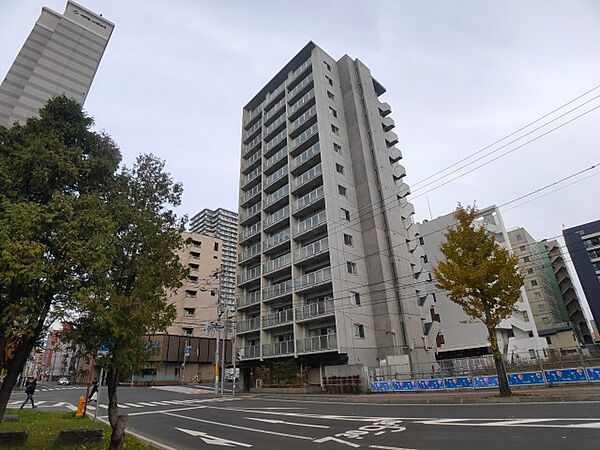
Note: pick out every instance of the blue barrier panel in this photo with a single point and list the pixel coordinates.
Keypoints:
(488, 381)
(525, 378)
(407, 385)
(430, 385)
(381, 386)
(565, 375)
(593, 373)
(458, 383)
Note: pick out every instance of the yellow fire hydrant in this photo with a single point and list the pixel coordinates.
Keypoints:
(79, 413)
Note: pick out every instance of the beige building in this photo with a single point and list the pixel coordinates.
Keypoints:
(196, 300)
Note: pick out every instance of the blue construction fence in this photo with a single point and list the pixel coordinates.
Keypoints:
(570, 375)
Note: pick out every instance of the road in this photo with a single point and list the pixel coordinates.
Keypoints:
(190, 417)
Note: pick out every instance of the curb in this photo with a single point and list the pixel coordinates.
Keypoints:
(140, 437)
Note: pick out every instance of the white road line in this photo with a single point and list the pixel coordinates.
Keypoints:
(390, 448)
(159, 403)
(133, 405)
(508, 423)
(587, 425)
(441, 421)
(119, 405)
(162, 411)
(228, 425)
(145, 404)
(283, 422)
(214, 440)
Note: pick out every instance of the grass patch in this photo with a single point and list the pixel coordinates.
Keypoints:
(44, 427)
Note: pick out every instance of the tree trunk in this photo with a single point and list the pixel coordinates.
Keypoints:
(500, 370)
(15, 365)
(117, 422)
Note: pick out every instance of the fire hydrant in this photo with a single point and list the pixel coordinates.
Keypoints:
(79, 413)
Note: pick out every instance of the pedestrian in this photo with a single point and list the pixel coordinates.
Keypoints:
(30, 390)
(93, 392)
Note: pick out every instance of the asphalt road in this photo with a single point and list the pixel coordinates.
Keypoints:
(190, 417)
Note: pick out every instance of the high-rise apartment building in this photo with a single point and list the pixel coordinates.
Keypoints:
(583, 243)
(452, 332)
(325, 274)
(222, 224)
(196, 300)
(60, 56)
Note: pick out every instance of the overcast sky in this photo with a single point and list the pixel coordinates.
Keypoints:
(459, 75)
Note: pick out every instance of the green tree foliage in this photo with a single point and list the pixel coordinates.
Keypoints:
(481, 277)
(130, 299)
(54, 177)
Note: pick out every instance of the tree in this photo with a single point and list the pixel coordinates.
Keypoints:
(481, 277)
(130, 299)
(54, 174)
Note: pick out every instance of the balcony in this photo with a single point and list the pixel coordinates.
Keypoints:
(398, 172)
(245, 326)
(391, 138)
(277, 291)
(272, 113)
(303, 161)
(322, 343)
(250, 352)
(312, 224)
(276, 143)
(251, 195)
(272, 96)
(276, 241)
(301, 104)
(300, 88)
(275, 161)
(315, 310)
(250, 180)
(313, 279)
(388, 124)
(252, 146)
(276, 219)
(253, 116)
(299, 71)
(251, 163)
(249, 233)
(310, 201)
(253, 212)
(248, 276)
(279, 318)
(276, 265)
(248, 300)
(276, 179)
(252, 131)
(249, 253)
(306, 119)
(384, 109)
(277, 125)
(305, 139)
(278, 348)
(307, 180)
(395, 154)
(306, 253)
(277, 198)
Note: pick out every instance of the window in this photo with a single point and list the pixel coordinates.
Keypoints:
(197, 244)
(537, 295)
(530, 271)
(190, 293)
(425, 259)
(429, 277)
(534, 283)
(525, 258)
(548, 340)
(519, 237)
(333, 112)
(195, 255)
(522, 248)
(346, 214)
(194, 267)
(341, 190)
(337, 148)
(189, 312)
(421, 241)
(525, 317)
(351, 267)
(348, 240)
(188, 331)
(339, 168)
(545, 319)
(434, 298)
(327, 65)
(541, 308)
(329, 80)
(356, 297)
(193, 279)
(359, 330)
(216, 247)
(335, 130)
(213, 293)
(330, 96)
(439, 340)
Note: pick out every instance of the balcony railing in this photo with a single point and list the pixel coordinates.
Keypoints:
(274, 125)
(306, 98)
(253, 143)
(310, 174)
(313, 278)
(252, 130)
(251, 351)
(312, 111)
(317, 343)
(275, 141)
(249, 275)
(306, 134)
(249, 232)
(277, 290)
(299, 71)
(248, 325)
(278, 318)
(277, 263)
(278, 348)
(277, 195)
(249, 300)
(283, 213)
(250, 161)
(274, 110)
(276, 176)
(316, 309)
(308, 199)
(253, 115)
(276, 157)
(309, 224)
(246, 179)
(305, 82)
(275, 93)
(276, 239)
(251, 212)
(247, 196)
(249, 253)
(310, 250)
(305, 155)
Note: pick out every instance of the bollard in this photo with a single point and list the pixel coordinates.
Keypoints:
(79, 413)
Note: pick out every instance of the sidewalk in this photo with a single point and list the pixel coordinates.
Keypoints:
(579, 393)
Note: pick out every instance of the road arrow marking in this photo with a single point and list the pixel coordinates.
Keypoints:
(213, 440)
(283, 422)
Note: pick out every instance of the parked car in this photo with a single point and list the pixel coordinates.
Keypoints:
(63, 381)
(229, 378)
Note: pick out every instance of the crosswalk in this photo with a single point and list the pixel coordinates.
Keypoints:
(189, 390)
(167, 403)
(67, 388)
(528, 422)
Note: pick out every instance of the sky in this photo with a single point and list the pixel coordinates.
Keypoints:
(459, 76)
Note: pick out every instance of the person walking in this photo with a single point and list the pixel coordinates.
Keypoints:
(93, 392)
(30, 390)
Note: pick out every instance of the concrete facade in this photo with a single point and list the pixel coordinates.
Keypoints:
(451, 331)
(325, 275)
(60, 56)
(222, 224)
(196, 300)
(583, 242)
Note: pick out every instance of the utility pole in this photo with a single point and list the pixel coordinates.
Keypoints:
(234, 353)
(223, 354)
(217, 360)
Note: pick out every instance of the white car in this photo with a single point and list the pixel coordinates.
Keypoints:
(64, 381)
